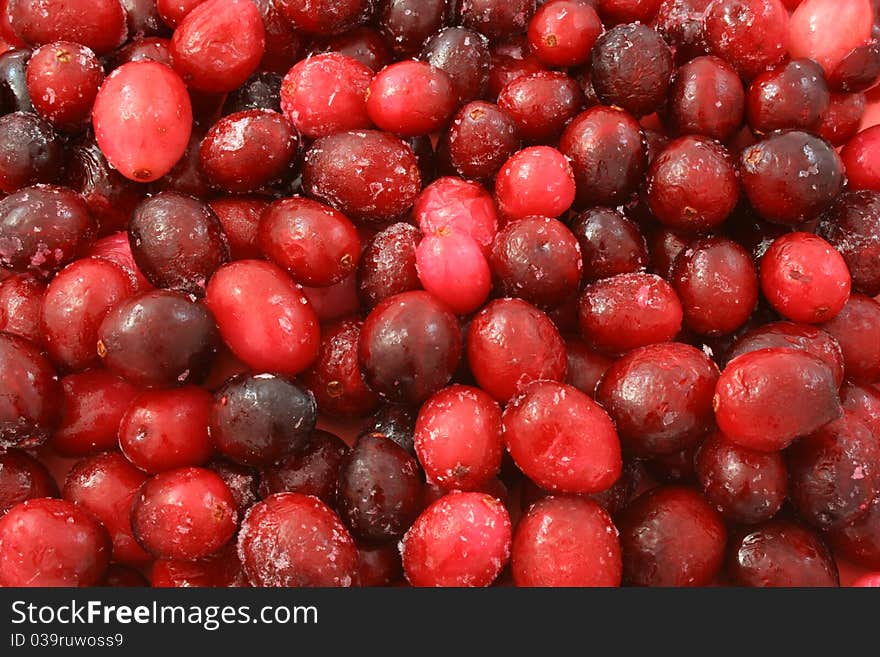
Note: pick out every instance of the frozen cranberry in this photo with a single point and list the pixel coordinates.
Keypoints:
(388, 264)
(284, 45)
(453, 268)
(406, 24)
(607, 153)
(670, 536)
(462, 540)
(767, 398)
(780, 553)
(681, 24)
(540, 104)
(793, 95)
(397, 423)
(326, 94)
(63, 79)
(322, 17)
(479, 140)
(261, 91)
(411, 98)
(857, 329)
(257, 419)
(860, 158)
(23, 477)
(864, 403)
(315, 243)
(464, 56)
(45, 542)
(454, 205)
(852, 226)
(221, 570)
(706, 98)
(410, 346)
(384, 171)
(610, 244)
(510, 60)
(750, 34)
(264, 317)
(150, 49)
(840, 121)
(511, 343)
(21, 302)
(585, 366)
(14, 95)
(33, 153)
(312, 471)
(243, 482)
(827, 31)
(364, 45)
(96, 24)
(116, 249)
(173, 12)
(30, 408)
(496, 18)
(158, 338)
(291, 539)
(791, 177)
(137, 99)
(535, 181)
(562, 32)
(860, 540)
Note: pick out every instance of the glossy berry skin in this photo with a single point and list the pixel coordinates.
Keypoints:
(187, 513)
(804, 278)
(852, 226)
(561, 439)
(323, 16)
(860, 540)
(766, 398)
(791, 177)
(21, 304)
(388, 264)
(541, 104)
(535, 181)
(585, 366)
(263, 317)
(158, 338)
(670, 536)
(316, 244)
(260, 91)
(834, 472)
(566, 541)
(380, 489)
(326, 94)
(406, 24)
(627, 311)
(291, 539)
(311, 471)
(746, 486)
(142, 119)
(46, 542)
(458, 438)
(411, 98)
(660, 397)
(563, 32)
(479, 140)
(73, 74)
(706, 98)
(610, 244)
(23, 477)
(791, 96)
(99, 25)
(464, 56)
(453, 268)
(631, 68)
(461, 540)
(257, 419)
(398, 423)
(815, 21)
(681, 24)
(33, 154)
(454, 205)
(363, 44)
(857, 329)
(410, 346)
(841, 120)
(104, 485)
(30, 408)
(750, 34)
(780, 553)
(511, 343)
(863, 402)
(860, 158)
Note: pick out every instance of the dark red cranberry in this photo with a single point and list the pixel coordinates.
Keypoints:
(240, 219)
(681, 24)
(63, 80)
(864, 403)
(406, 24)
(852, 226)
(260, 91)
(859, 70)
(284, 44)
(860, 158)
(385, 168)
(21, 303)
(96, 24)
(841, 120)
(323, 17)
(22, 477)
(221, 570)
(706, 98)
(464, 56)
(257, 419)
(145, 49)
(379, 565)
(563, 32)
(291, 539)
(33, 153)
(673, 468)
(186, 177)
(585, 366)
(860, 540)
(607, 153)
(610, 244)
(30, 408)
(616, 498)
(312, 471)
(14, 95)
(540, 104)
(158, 338)
(398, 423)
(511, 343)
(243, 482)
(496, 18)
(827, 31)
(664, 247)
(363, 44)
(780, 553)
(411, 98)
(857, 329)
(142, 17)
(767, 398)
(510, 60)
(479, 140)
(793, 95)
(410, 346)
(388, 264)
(750, 34)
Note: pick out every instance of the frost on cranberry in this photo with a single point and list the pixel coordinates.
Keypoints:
(96, 24)
(852, 226)
(33, 153)
(63, 79)
(22, 477)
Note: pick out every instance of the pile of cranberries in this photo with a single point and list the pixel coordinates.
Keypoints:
(439, 292)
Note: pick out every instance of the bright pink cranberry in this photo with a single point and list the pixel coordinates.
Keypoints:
(462, 540)
(264, 317)
(291, 539)
(325, 94)
(221, 570)
(95, 24)
(752, 35)
(860, 157)
(857, 330)
(566, 541)
(535, 181)
(455, 205)
(136, 100)
(562, 32)
(22, 477)
(452, 267)
(63, 79)
(411, 98)
(826, 31)
(21, 303)
(706, 98)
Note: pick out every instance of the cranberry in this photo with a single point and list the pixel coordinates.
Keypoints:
(45, 542)
(859, 70)
(496, 18)
(284, 46)
(388, 264)
(96, 24)
(860, 540)
(401, 87)
(681, 24)
(562, 32)
(173, 12)
(627, 11)
(186, 177)
(144, 49)
(479, 140)
(322, 17)
(23, 477)
(767, 398)
(21, 302)
(158, 338)
(585, 366)
(840, 122)
(142, 17)
(364, 45)
(14, 95)
(541, 103)
(222, 570)
(264, 317)
(453, 268)
(397, 423)
(857, 329)
(750, 34)
(780, 553)
(607, 153)
(827, 31)
(462, 540)
(791, 177)
(464, 56)
(860, 158)
(137, 99)
(852, 226)
(34, 152)
(871, 580)
(291, 539)
(610, 244)
(380, 565)
(510, 60)
(261, 91)
(864, 403)
(511, 343)
(706, 98)
(187, 513)
(311, 471)
(670, 536)
(63, 79)
(385, 168)
(30, 408)
(793, 95)
(535, 181)
(454, 205)
(243, 482)
(410, 346)
(257, 419)
(115, 248)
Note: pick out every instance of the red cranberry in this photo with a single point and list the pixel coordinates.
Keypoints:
(627, 11)
(406, 24)
(454, 205)
(21, 302)
(496, 18)
(610, 244)
(144, 49)
(793, 95)
(410, 346)
(240, 219)
(780, 553)
(681, 24)
(46, 542)
(540, 104)
(841, 120)
(33, 152)
(173, 12)
(852, 226)
(105, 486)
(137, 99)
(562, 32)
(511, 343)
(670, 536)
(706, 98)
(453, 268)
(860, 158)
(222, 570)
(186, 177)
(767, 398)
(257, 419)
(607, 153)
(30, 408)
(535, 181)
(312, 471)
(158, 338)
(464, 56)
(264, 317)
(864, 403)
(585, 366)
(385, 168)
(23, 477)
(750, 34)
(187, 513)
(479, 140)
(401, 87)
(664, 247)
(827, 31)
(566, 541)
(388, 264)
(379, 565)
(243, 482)
(142, 17)
(857, 329)
(510, 60)
(860, 540)
(96, 24)
(322, 17)
(291, 539)
(116, 249)
(63, 80)
(363, 44)
(461, 540)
